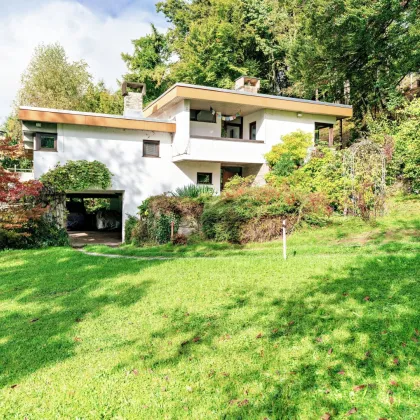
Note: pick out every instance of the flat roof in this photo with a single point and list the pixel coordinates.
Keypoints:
(187, 91)
(60, 116)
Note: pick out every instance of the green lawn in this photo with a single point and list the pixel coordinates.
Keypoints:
(218, 331)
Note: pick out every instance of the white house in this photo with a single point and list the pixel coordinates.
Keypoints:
(190, 134)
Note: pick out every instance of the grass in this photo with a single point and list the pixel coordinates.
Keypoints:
(240, 333)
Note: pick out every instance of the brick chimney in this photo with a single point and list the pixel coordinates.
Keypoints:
(247, 84)
(133, 101)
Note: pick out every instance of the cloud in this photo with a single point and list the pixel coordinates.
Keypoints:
(96, 36)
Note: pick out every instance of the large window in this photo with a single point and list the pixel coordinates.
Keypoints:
(202, 116)
(205, 178)
(253, 131)
(46, 142)
(151, 148)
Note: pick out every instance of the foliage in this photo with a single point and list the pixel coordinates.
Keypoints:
(291, 151)
(149, 62)
(179, 239)
(236, 215)
(400, 137)
(52, 81)
(159, 212)
(92, 205)
(193, 191)
(100, 99)
(238, 183)
(357, 44)
(18, 200)
(129, 226)
(12, 154)
(78, 175)
(213, 44)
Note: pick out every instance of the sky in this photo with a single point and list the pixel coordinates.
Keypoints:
(97, 31)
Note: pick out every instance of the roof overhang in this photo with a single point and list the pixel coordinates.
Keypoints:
(184, 91)
(95, 120)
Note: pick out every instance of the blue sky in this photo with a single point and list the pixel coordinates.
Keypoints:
(97, 31)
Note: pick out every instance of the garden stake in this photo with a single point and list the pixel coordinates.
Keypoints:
(284, 239)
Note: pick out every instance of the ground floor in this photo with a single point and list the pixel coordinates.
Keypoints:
(99, 216)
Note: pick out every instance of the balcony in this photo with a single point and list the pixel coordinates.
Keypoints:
(24, 174)
(220, 149)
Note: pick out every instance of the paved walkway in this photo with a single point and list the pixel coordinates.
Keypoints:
(130, 257)
(79, 239)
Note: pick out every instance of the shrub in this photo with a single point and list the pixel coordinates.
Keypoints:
(238, 183)
(129, 226)
(179, 239)
(295, 145)
(159, 212)
(78, 175)
(237, 216)
(193, 191)
(35, 234)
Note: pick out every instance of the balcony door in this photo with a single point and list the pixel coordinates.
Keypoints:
(233, 129)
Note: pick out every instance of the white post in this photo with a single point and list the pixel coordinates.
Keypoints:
(284, 240)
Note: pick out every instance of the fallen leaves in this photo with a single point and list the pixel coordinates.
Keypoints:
(34, 320)
(351, 411)
(396, 361)
(14, 386)
(326, 416)
(330, 350)
(341, 372)
(366, 298)
(259, 335)
(196, 339)
(77, 339)
(135, 372)
(359, 387)
(239, 403)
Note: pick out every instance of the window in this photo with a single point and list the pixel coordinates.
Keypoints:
(151, 148)
(253, 131)
(204, 178)
(46, 142)
(202, 116)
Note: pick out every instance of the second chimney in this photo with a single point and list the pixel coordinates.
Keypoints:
(247, 84)
(133, 101)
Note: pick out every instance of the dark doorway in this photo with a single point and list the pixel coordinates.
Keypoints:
(229, 172)
(94, 218)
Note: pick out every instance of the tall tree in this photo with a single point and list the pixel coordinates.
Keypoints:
(212, 42)
(149, 63)
(53, 81)
(356, 47)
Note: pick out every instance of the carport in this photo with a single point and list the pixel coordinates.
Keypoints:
(94, 217)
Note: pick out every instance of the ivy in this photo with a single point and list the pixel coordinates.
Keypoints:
(78, 175)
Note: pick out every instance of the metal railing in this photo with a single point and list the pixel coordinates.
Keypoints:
(16, 169)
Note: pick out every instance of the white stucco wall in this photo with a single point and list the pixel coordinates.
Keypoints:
(258, 117)
(122, 152)
(278, 123)
(198, 128)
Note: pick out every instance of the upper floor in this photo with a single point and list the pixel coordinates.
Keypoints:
(204, 123)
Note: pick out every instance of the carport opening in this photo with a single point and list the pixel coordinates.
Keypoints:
(94, 218)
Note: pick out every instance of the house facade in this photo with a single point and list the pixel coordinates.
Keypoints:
(189, 135)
